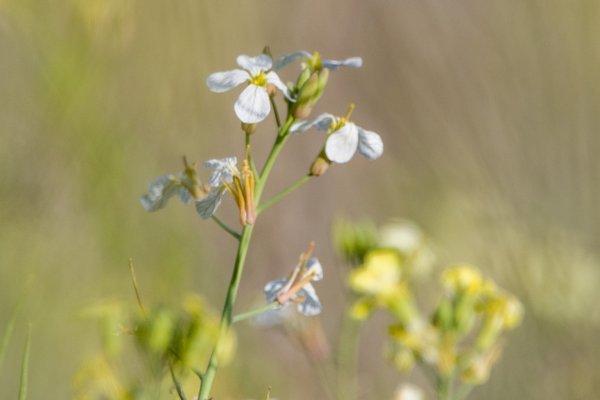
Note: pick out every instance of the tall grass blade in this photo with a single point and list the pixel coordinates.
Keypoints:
(25, 367)
(8, 331)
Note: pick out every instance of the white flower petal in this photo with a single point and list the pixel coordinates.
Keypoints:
(370, 144)
(313, 266)
(159, 192)
(208, 205)
(341, 145)
(220, 82)
(355, 62)
(184, 195)
(311, 305)
(255, 65)
(223, 170)
(274, 79)
(323, 122)
(290, 58)
(253, 104)
(272, 289)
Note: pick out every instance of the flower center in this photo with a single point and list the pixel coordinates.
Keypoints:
(259, 79)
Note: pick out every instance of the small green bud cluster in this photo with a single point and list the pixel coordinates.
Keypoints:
(166, 337)
(310, 86)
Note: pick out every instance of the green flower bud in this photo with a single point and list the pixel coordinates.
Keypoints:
(443, 317)
(156, 331)
(354, 240)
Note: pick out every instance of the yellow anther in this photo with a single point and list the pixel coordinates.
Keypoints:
(259, 80)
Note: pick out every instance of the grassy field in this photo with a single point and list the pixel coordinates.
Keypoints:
(490, 116)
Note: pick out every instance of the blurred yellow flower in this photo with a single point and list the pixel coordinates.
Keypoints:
(380, 274)
(463, 278)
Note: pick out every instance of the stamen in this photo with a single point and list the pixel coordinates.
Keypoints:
(351, 108)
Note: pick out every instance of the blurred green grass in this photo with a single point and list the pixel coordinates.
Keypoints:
(489, 112)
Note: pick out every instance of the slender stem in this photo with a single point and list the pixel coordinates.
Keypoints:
(255, 312)
(275, 112)
(279, 196)
(178, 387)
(282, 136)
(226, 228)
(227, 314)
(443, 388)
(463, 392)
(138, 294)
(347, 358)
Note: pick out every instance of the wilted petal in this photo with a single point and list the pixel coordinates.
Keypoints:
(184, 195)
(223, 170)
(208, 205)
(370, 144)
(255, 65)
(313, 266)
(355, 62)
(341, 145)
(311, 305)
(290, 58)
(253, 104)
(159, 192)
(274, 79)
(323, 122)
(223, 81)
(272, 289)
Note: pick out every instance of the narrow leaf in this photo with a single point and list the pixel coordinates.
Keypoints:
(25, 367)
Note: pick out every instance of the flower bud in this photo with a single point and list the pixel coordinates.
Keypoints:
(443, 315)
(309, 92)
(248, 128)
(319, 166)
(354, 240)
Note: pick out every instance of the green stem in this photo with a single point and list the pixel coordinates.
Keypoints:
(463, 392)
(226, 228)
(282, 136)
(257, 311)
(279, 196)
(177, 384)
(275, 112)
(347, 360)
(227, 314)
(443, 388)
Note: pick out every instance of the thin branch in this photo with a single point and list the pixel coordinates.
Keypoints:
(135, 286)
(178, 387)
(279, 196)
(275, 112)
(252, 313)
(226, 228)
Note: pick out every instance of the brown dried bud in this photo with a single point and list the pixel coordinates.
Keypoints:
(319, 166)
(248, 128)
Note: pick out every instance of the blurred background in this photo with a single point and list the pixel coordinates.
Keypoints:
(490, 116)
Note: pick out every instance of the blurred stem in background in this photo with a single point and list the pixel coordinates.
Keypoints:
(347, 358)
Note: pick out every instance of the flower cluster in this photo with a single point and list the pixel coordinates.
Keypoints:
(259, 76)
(461, 337)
